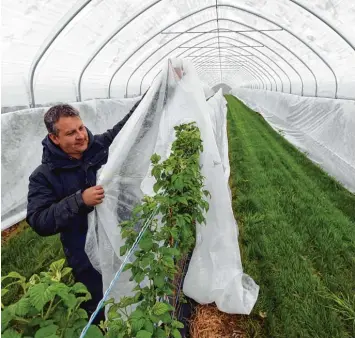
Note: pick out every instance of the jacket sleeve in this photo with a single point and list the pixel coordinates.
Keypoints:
(45, 214)
(108, 137)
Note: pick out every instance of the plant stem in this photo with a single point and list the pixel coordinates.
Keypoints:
(49, 309)
(19, 319)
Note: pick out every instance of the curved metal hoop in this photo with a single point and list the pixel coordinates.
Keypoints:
(257, 69)
(245, 10)
(44, 48)
(243, 66)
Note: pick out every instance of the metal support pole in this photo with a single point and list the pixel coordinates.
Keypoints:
(49, 41)
(107, 40)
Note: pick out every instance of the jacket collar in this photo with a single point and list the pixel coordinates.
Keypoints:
(55, 157)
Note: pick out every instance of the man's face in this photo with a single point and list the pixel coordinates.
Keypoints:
(72, 136)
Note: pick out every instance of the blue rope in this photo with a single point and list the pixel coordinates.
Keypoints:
(118, 274)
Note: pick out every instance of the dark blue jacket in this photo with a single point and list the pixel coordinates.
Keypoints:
(55, 203)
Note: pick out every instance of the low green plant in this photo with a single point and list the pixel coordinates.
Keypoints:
(178, 205)
(48, 307)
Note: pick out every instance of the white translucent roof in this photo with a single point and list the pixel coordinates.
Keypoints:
(55, 50)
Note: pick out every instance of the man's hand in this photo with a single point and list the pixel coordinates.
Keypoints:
(93, 196)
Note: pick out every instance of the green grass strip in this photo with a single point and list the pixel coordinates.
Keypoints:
(297, 232)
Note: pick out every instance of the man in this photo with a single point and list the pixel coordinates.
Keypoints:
(63, 190)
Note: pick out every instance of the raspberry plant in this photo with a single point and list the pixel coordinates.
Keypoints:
(179, 204)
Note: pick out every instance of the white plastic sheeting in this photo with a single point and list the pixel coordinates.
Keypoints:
(322, 128)
(81, 48)
(215, 272)
(21, 135)
(218, 113)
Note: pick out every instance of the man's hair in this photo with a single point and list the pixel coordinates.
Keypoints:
(52, 116)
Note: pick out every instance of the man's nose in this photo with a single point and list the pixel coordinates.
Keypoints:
(80, 135)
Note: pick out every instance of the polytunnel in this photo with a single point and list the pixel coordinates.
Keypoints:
(269, 86)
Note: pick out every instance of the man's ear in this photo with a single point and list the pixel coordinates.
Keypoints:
(54, 138)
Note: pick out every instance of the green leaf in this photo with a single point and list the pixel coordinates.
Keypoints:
(111, 315)
(139, 277)
(183, 200)
(46, 331)
(168, 291)
(154, 319)
(60, 316)
(115, 329)
(159, 281)
(80, 300)
(34, 279)
(145, 262)
(123, 250)
(160, 308)
(4, 292)
(38, 295)
(146, 244)
(137, 209)
(138, 296)
(124, 223)
(14, 274)
(79, 288)
(79, 324)
(168, 261)
(137, 314)
(174, 233)
(11, 333)
(63, 291)
(170, 251)
(22, 306)
(143, 334)
(82, 313)
(158, 185)
(176, 333)
(6, 317)
(206, 193)
(126, 301)
(159, 333)
(137, 324)
(148, 326)
(69, 300)
(45, 323)
(69, 332)
(155, 158)
(127, 267)
(178, 325)
(166, 318)
(66, 271)
(109, 301)
(56, 289)
(179, 183)
(35, 322)
(93, 332)
(57, 265)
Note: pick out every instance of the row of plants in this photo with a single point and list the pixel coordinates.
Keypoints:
(50, 303)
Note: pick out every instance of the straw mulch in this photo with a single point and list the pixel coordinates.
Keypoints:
(209, 322)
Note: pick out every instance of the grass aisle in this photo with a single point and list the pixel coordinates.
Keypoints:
(297, 232)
